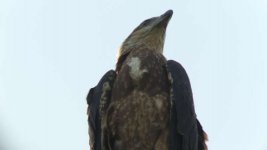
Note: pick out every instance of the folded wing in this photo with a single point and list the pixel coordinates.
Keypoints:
(186, 131)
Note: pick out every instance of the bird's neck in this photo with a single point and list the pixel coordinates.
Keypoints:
(127, 48)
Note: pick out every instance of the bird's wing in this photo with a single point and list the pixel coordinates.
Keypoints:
(186, 131)
(98, 99)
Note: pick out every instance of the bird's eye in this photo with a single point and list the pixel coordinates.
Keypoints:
(146, 22)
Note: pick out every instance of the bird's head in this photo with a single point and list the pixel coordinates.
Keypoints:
(150, 33)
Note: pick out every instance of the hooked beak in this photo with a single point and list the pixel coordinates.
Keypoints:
(165, 18)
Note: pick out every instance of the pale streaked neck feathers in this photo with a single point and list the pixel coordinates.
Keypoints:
(149, 35)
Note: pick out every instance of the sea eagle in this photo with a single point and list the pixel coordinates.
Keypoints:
(147, 102)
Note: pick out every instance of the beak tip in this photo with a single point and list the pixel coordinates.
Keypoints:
(167, 14)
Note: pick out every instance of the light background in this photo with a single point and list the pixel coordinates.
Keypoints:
(53, 51)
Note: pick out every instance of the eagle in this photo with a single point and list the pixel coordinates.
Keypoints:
(146, 103)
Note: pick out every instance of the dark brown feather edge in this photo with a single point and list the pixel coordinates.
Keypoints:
(98, 99)
(120, 61)
(91, 123)
(202, 137)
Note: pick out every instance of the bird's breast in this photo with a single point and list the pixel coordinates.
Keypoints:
(144, 70)
(139, 112)
(135, 71)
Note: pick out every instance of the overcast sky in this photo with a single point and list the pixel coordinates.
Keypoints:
(53, 51)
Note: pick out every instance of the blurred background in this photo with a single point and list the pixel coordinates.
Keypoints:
(53, 51)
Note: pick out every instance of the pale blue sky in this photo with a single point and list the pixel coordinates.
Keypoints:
(53, 51)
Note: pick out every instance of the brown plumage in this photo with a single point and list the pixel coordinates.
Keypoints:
(139, 113)
(147, 103)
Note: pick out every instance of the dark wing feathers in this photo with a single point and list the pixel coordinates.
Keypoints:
(93, 100)
(182, 100)
(186, 131)
(202, 137)
(190, 134)
(182, 97)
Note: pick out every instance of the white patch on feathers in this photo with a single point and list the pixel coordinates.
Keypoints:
(135, 72)
(159, 103)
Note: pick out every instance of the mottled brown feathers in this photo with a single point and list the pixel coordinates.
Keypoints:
(147, 103)
(139, 114)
